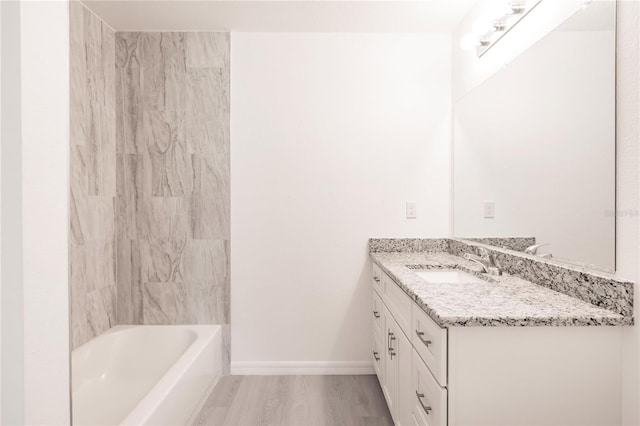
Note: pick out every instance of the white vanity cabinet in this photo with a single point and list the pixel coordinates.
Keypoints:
(396, 366)
(491, 375)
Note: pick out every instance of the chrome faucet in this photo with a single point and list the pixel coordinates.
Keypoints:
(488, 265)
(534, 250)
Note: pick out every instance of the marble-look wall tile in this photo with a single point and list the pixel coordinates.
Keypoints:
(204, 51)
(195, 302)
(129, 290)
(92, 175)
(173, 189)
(150, 189)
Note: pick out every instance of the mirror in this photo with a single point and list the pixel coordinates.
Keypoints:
(534, 147)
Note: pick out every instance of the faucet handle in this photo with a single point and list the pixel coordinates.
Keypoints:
(488, 255)
(473, 257)
(534, 248)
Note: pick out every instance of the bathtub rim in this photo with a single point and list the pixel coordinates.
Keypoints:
(161, 389)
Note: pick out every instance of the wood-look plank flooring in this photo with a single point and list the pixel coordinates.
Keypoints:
(296, 401)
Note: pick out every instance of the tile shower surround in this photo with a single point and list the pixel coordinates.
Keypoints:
(92, 155)
(149, 177)
(599, 289)
(172, 233)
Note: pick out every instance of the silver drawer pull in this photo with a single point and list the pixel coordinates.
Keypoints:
(376, 279)
(391, 348)
(420, 334)
(424, 407)
(376, 314)
(375, 356)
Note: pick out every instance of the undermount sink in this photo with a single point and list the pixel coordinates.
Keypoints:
(448, 276)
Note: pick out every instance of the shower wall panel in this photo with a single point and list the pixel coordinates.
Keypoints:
(92, 175)
(172, 226)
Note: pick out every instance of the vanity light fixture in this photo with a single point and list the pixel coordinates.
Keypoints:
(495, 23)
(471, 41)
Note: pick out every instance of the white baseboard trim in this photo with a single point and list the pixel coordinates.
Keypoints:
(302, 368)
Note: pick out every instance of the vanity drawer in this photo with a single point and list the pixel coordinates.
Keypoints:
(430, 342)
(398, 303)
(429, 406)
(377, 279)
(377, 315)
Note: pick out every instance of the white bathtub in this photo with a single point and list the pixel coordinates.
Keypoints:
(145, 374)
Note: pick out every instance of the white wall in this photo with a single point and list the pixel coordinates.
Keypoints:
(538, 139)
(628, 192)
(0, 213)
(330, 135)
(12, 348)
(34, 213)
(44, 30)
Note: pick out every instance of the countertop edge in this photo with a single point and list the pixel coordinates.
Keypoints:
(578, 321)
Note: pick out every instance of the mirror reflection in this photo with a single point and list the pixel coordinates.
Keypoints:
(534, 151)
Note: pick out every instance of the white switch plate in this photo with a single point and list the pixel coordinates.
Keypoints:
(489, 209)
(412, 212)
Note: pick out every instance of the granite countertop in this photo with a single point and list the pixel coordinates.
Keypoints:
(499, 301)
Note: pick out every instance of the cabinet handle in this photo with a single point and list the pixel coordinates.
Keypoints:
(375, 356)
(391, 339)
(376, 279)
(424, 407)
(376, 314)
(420, 334)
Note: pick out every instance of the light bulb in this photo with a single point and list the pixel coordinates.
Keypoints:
(517, 7)
(469, 42)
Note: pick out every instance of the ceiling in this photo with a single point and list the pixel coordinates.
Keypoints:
(282, 16)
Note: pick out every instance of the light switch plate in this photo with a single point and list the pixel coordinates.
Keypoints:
(489, 209)
(412, 212)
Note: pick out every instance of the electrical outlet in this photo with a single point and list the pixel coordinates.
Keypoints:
(412, 210)
(489, 209)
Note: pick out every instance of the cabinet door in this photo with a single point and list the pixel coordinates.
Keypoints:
(404, 350)
(379, 334)
(377, 315)
(390, 386)
(379, 357)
